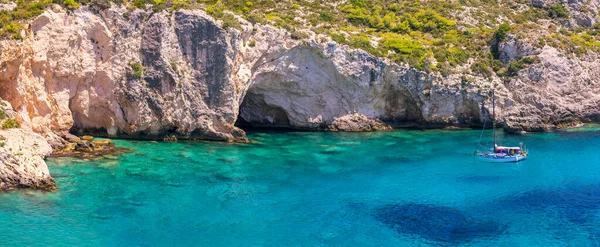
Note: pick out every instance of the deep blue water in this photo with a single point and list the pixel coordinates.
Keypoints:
(399, 188)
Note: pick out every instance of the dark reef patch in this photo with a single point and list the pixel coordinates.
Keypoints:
(575, 203)
(437, 223)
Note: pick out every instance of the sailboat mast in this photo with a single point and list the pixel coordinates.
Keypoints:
(494, 117)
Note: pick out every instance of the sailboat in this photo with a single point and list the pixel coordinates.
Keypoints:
(500, 154)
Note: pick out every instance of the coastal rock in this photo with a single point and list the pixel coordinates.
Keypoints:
(357, 123)
(170, 139)
(87, 147)
(86, 138)
(22, 154)
(22, 163)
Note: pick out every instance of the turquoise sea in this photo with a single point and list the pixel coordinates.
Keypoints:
(398, 188)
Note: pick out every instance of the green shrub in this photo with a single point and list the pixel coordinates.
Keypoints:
(502, 31)
(180, 4)
(254, 18)
(229, 20)
(358, 16)
(174, 66)
(482, 69)
(299, 35)
(515, 66)
(13, 29)
(362, 42)
(10, 123)
(402, 44)
(454, 56)
(2, 114)
(339, 38)
(499, 36)
(71, 4)
(137, 70)
(497, 65)
(359, 3)
(429, 21)
(140, 4)
(557, 11)
(324, 16)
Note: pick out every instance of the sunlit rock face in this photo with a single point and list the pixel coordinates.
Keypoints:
(77, 71)
(22, 154)
(310, 85)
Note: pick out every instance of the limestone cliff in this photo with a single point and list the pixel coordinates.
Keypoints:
(139, 74)
(121, 73)
(558, 91)
(75, 72)
(22, 154)
(310, 85)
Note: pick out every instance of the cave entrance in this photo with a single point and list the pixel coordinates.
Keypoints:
(255, 112)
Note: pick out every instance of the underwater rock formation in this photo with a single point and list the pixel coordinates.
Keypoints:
(437, 223)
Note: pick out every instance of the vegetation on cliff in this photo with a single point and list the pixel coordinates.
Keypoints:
(6, 122)
(444, 36)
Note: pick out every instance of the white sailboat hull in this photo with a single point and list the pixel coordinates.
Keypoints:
(493, 158)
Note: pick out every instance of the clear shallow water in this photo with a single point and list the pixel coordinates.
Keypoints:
(400, 188)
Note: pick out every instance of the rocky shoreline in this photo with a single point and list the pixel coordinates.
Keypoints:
(134, 74)
(87, 147)
(22, 154)
(22, 161)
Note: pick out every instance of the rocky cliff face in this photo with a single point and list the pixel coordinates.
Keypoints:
(558, 91)
(583, 12)
(137, 74)
(81, 71)
(310, 85)
(22, 154)
(77, 72)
